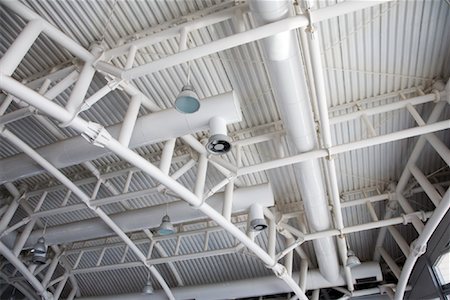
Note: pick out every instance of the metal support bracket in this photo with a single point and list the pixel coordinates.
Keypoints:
(97, 135)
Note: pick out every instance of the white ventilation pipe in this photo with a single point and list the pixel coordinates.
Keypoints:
(136, 220)
(254, 287)
(282, 56)
(147, 130)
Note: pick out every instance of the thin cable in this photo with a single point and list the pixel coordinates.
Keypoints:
(45, 227)
(189, 73)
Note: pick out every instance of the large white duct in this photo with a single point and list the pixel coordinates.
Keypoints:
(254, 287)
(149, 129)
(135, 220)
(282, 56)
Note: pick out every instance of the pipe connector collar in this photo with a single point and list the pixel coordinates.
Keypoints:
(97, 135)
(417, 249)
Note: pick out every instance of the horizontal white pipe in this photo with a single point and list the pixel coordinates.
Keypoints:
(386, 108)
(390, 137)
(238, 39)
(136, 220)
(254, 287)
(147, 130)
(419, 245)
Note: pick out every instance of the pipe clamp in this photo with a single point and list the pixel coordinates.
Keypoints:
(96, 134)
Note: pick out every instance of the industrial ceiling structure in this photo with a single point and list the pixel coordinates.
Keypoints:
(293, 149)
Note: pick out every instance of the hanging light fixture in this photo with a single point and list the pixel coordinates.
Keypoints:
(187, 101)
(166, 226)
(40, 249)
(352, 259)
(148, 287)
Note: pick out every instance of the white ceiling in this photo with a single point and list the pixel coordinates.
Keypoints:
(401, 45)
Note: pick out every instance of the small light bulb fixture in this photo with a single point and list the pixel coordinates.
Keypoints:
(256, 217)
(39, 252)
(148, 287)
(166, 226)
(187, 101)
(352, 259)
(219, 142)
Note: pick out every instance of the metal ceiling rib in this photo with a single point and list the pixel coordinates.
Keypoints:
(383, 49)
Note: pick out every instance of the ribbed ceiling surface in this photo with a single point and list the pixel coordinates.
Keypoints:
(391, 47)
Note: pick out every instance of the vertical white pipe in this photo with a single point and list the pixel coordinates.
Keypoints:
(201, 176)
(18, 246)
(131, 56)
(9, 213)
(5, 104)
(289, 257)
(228, 201)
(166, 156)
(129, 121)
(81, 87)
(272, 238)
(303, 273)
(16, 52)
(218, 125)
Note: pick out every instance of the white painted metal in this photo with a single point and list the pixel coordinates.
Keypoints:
(40, 290)
(252, 287)
(86, 199)
(147, 130)
(420, 244)
(287, 76)
(150, 217)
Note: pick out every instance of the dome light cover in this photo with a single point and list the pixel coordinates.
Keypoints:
(187, 101)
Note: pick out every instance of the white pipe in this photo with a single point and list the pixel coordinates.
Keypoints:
(15, 53)
(427, 186)
(253, 287)
(218, 125)
(419, 245)
(201, 176)
(127, 128)
(24, 271)
(137, 220)
(147, 130)
(319, 84)
(282, 55)
(51, 31)
(9, 213)
(390, 137)
(75, 101)
(228, 201)
(86, 199)
(166, 156)
(440, 147)
(238, 39)
(51, 269)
